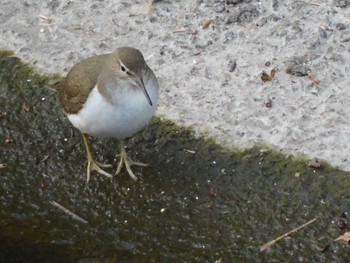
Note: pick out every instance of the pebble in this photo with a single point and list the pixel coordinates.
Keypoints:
(232, 65)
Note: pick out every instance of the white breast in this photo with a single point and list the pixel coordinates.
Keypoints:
(128, 115)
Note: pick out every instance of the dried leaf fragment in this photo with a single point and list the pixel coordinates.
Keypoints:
(26, 107)
(312, 77)
(315, 163)
(343, 239)
(206, 23)
(266, 77)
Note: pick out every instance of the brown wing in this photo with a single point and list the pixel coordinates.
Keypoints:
(75, 88)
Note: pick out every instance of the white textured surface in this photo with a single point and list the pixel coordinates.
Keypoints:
(193, 70)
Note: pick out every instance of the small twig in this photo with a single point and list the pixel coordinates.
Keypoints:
(179, 30)
(189, 151)
(45, 158)
(47, 18)
(197, 53)
(73, 215)
(310, 3)
(268, 244)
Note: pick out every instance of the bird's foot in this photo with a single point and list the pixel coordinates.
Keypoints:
(96, 166)
(92, 164)
(103, 165)
(124, 159)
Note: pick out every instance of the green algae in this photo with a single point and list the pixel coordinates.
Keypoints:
(6, 53)
(197, 202)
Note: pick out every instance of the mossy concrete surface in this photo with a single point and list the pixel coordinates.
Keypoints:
(197, 202)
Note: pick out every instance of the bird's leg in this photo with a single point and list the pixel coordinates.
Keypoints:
(92, 164)
(124, 159)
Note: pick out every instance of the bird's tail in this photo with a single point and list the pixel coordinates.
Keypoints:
(54, 84)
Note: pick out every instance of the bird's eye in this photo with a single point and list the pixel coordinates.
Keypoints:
(123, 68)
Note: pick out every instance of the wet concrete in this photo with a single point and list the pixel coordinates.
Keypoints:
(197, 202)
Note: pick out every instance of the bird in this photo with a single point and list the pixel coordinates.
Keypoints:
(109, 96)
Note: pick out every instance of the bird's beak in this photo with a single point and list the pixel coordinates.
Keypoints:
(145, 92)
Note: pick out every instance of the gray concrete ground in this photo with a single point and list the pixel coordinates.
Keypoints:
(210, 72)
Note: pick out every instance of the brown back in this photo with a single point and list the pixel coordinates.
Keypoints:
(74, 90)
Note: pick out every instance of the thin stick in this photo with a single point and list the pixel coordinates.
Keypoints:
(189, 151)
(73, 215)
(310, 3)
(179, 30)
(47, 18)
(268, 244)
